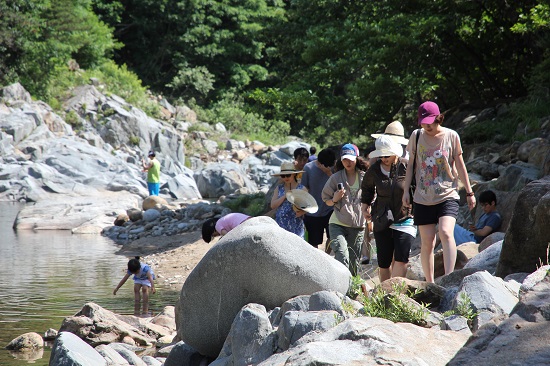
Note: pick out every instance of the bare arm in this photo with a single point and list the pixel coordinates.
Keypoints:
(484, 231)
(150, 278)
(122, 282)
(146, 166)
(463, 176)
(277, 201)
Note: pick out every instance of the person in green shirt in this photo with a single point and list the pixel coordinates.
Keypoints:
(153, 174)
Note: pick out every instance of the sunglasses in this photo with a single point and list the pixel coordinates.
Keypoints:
(286, 175)
(385, 157)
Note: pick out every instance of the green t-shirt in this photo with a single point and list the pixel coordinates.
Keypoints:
(153, 174)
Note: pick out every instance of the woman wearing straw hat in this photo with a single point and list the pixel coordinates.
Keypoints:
(343, 192)
(396, 131)
(382, 193)
(286, 216)
(436, 199)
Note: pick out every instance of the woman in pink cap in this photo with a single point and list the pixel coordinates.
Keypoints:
(433, 155)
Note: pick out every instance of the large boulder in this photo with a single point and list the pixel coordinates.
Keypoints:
(219, 179)
(256, 262)
(521, 339)
(526, 240)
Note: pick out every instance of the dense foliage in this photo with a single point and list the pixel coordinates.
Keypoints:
(327, 70)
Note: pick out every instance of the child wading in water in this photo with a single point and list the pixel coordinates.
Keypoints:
(143, 280)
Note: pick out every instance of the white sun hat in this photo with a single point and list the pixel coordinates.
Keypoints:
(302, 200)
(386, 146)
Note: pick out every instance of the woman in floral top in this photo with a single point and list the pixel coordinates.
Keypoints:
(436, 198)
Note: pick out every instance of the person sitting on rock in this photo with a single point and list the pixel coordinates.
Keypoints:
(488, 222)
(143, 282)
(220, 226)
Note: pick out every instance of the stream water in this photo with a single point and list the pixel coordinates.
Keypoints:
(49, 275)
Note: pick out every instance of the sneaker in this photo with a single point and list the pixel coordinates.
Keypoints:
(365, 260)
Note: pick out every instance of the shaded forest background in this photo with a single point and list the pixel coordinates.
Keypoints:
(328, 71)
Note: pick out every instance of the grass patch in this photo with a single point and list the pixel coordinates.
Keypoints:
(463, 308)
(394, 306)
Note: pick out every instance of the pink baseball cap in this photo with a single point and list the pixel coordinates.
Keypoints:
(427, 112)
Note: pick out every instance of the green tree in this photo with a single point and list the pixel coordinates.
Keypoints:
(196, 48)
(38, 38)
(361, 64)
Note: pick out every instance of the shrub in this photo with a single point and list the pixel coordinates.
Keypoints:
(392, 306)
(249, 204)
(463, 308)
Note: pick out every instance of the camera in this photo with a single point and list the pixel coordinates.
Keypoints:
(340, 186)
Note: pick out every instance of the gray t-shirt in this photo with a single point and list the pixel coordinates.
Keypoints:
(314, 180)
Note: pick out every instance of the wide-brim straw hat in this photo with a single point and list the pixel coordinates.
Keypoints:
(396, 131)
(287, 167)
(386, 146)
(302, 200)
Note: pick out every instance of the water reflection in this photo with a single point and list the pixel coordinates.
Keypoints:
(49, 275)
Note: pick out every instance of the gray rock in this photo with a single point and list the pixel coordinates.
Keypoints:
(112, 357)
(276, 158)
(251, 338)
(369, 341)
(219, 179)
(15, 93)
(256, 262)
(326, 300)
(515, 176)
(69, 350)
(289, 147)
(182, 354)
(210, 146)
(487, 260)
(534, 278)
(26, 341)
(456, 323)
(295, 324)
(521, 339)
(128, 354)
(183, 186)
(526, 241)
(99, 326)
(151, 361)
(151, 215)
(488, 293)
(490, 240)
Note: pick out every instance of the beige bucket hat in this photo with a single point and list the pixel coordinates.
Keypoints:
(287, 167)
(396, 131)
(302, 200)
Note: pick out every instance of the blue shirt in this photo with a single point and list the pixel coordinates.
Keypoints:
(314, 180)
(492, 219)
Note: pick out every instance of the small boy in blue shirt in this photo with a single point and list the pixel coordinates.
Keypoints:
(488, 223)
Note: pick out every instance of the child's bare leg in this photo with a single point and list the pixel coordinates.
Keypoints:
(137, 299)
(145, 290)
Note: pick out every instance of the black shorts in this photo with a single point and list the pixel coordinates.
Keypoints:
(427, 215)
(392, 244)
(316, 226)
